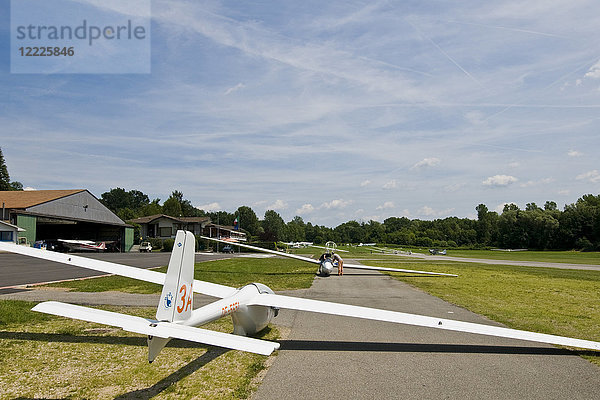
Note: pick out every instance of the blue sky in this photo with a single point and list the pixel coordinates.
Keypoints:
(333, 111)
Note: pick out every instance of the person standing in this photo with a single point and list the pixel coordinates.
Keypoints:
(340, 263)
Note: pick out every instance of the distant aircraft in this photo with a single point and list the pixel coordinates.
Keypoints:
(326, 265)
(437, 251)
(251, 307)
(297, 245)
(330, 247)
(82, 245)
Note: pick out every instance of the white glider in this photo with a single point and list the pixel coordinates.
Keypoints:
(251, 307)
(326, 265)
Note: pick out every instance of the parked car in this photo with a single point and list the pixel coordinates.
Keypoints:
(228, 249)
(145, 246)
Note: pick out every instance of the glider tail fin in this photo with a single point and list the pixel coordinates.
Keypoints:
(176, 299)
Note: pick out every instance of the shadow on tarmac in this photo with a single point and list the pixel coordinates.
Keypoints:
(324, 345)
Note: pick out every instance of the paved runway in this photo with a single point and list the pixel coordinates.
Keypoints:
(340, 358)
(16, 270)
(542, 264)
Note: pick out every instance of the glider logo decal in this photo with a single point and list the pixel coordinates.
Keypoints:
(179, 244)
(168, 300)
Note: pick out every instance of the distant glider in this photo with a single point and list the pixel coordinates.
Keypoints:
(326, 265)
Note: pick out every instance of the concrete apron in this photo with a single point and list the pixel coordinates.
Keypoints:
(341, 358)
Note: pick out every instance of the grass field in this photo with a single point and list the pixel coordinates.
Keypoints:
(278, 274)
(42, 356)
(570, 257)
(547, 300)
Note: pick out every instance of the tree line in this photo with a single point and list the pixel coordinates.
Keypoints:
(577, 226)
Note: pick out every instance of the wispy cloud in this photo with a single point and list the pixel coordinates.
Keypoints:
(336, 204)
(210, 207)
(305, 209)
(388, 205)
(390, 185)
(234, 88)
(278, 205)
(574, 153)
(426, 162)
(499, 180)
(591, 176)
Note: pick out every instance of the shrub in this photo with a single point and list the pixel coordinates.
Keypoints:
(155, 242)
(168, 244)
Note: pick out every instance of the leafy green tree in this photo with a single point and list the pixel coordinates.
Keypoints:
(296, 229)
(248, 220)
(16, 185)
(127, 205)
(394, 224)
(222, 218)
(187, 209)
(274, 227)
(374, 232)
(172, 207)
(4, 177)
(151, 208)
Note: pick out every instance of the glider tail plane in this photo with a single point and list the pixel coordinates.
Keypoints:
(176, 299)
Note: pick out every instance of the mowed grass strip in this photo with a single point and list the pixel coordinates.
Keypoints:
(569, 257)
(277, 273)
(43, 356)
(547, 300)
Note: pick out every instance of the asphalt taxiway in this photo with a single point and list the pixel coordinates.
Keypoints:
(18, 270)
(338, 358)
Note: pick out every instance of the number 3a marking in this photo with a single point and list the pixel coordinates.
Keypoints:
(184, 304)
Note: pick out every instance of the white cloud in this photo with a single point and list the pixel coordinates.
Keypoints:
(371, 218)
(574, 153)
(594, 71)
(426, 162)
(430, 212)
(454, 187)
(390, 185)
(475, 117)
(211, 207)
(592, 176)
(499, 180)
(544, 181)
(336, 204)
(386, 206)
(234, 88)
(514, 164)
(365, 183)
(305, 209)
(278, 205)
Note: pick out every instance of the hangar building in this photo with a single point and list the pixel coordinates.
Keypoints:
(63, 214)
